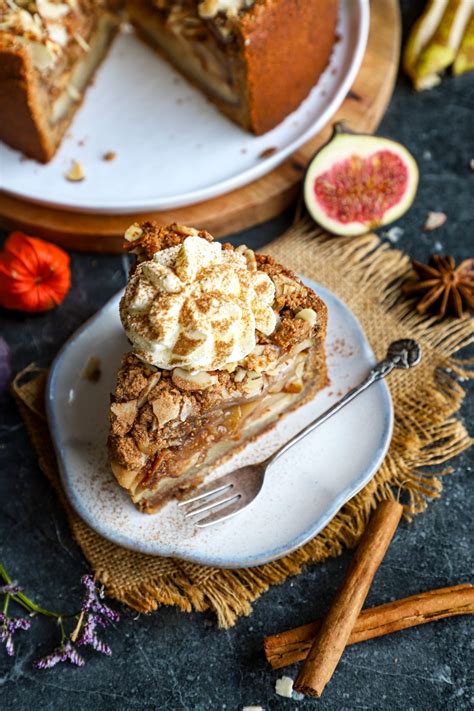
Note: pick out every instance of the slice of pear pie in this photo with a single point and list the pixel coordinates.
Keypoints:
(224, 342)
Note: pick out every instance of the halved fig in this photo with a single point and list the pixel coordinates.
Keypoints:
(357, 182)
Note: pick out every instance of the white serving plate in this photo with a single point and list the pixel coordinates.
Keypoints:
(303, 491)
(173, 147)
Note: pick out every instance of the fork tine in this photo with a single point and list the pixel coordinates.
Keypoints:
(215, 487)
(222, 514)
(212, 504)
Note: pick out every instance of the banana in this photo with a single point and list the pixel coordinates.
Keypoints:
(421, 33)
(464, 61)
(441, 50)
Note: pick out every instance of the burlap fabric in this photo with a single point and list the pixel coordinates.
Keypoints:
(366, 274)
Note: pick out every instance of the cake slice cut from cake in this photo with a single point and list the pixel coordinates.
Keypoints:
(49, 52)
(255, 59)
(224, 342)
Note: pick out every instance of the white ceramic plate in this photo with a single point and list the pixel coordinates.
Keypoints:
(173, 147)
(302, 492)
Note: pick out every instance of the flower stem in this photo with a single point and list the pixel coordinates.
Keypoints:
(77, 629)
(25, 601)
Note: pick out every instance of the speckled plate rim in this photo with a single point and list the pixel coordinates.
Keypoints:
(320, 522)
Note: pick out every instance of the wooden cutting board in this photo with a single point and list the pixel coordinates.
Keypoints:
(255, 203)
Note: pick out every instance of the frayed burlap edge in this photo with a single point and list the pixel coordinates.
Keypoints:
(366, 274)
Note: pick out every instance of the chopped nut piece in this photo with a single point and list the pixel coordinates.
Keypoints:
(92, 370)
(74, 93)
(394, 234)
(253, 386)
(304, 345)
(109, 156)
(154, 380)
(267, 152)
(165, 408)
(186, 410)
(125, 412)
(193, 381)
(284, 687)
(308, 315)
(81, 42)
(133, 233)
(76, 173)
(240, 374)
(434, 220)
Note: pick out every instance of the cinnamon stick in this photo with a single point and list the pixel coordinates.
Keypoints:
(292, 646)
(331, 639)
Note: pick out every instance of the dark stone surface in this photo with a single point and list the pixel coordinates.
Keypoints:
(171, 660)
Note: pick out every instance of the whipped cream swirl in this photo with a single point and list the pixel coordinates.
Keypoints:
(197, 306)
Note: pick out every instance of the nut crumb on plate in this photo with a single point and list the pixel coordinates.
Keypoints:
(75, 173)
(284, 686)
(434, 220)
(109, 156)
(267, 152)
(92, 370)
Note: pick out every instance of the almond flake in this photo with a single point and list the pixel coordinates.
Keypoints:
(76, 173)
(185, 380)
(434, 220)
(125, 412)
(81, 42)
(74, 93)
(284, 687)
(165, 408)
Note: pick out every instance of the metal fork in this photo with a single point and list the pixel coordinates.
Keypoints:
(233, 492)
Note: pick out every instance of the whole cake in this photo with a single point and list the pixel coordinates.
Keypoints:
(255, 59)
(224, 342)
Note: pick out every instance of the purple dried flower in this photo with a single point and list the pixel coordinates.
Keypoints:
(89, 637)
(97, 614)
(11, 589)
(5, 365)
(65, 653)
(10, 625)
(103, 614)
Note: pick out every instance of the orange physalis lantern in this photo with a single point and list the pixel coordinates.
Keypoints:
(34, 274)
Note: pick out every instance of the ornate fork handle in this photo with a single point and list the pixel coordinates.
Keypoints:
(401, 354)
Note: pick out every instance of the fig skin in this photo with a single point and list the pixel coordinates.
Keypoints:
(343, 145)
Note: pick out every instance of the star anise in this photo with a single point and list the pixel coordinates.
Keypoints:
(442, 286)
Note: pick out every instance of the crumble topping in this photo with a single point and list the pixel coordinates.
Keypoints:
(196, 306)
(193, 18)
(46, 27)
(230, 8)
